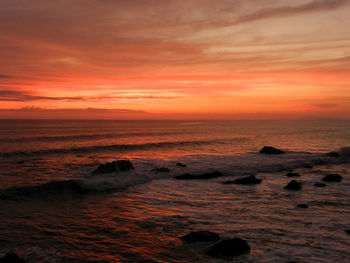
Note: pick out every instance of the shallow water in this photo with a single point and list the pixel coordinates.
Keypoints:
(138, 216)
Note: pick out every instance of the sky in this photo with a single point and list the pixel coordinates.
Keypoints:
(175, 59)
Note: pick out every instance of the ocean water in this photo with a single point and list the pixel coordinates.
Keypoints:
(53, 209)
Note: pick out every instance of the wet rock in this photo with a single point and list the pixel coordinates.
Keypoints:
(271, 150)
(229, 248)
(11, 258)
(181, 165)
(333, 154)
(115, 166)
(247, 180)
(292, 174)
(293, 185)
(319, 185)
(303, 206)
(332, 178)
(201, 236)
(208, 175)
(161, 170)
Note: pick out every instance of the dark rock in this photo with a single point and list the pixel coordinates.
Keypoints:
(11, 258)
(271, 150)
(229, 248)
(293, 185)
(332, 178)
(20, 162)
(199, 176)
(201, 236)
(333, 154)
(228, 182)
(303, 206)
(319, 185)
(161, 170)
(247, 180)
(115, 166)
(347, 231)
(292, 174)
(181, 165)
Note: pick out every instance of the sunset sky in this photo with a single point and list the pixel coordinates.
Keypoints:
(175, 59)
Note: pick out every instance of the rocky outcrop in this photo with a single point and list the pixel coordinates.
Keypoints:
(181, 165)
(293, 185)
(292, 175)
(229, 248)
(319, 185)
(271, 150)
(303, 206)
(201, 236)
(247, 180)
(208, 175)
(115, 166)
(332, 178)
(11, 258)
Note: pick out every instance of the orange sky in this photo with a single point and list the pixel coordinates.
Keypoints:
(183, 59)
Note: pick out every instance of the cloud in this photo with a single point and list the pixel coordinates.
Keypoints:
(325, 105)
(317, 5)
(12, 95)
(5, 76)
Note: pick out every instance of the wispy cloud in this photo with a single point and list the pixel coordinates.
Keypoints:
(12, 95)
(317, 5)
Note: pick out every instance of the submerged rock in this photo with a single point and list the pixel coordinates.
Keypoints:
(332, 178)
(229, 248)
(181, 165)
(161, 170)
(333, 154)
(201, 236)
(208, 175)
(11, 258)
(115, 166)
(271, 150)
(319, 185)
(247, 180)
(293, 185)
(292, 174)
(303, 206)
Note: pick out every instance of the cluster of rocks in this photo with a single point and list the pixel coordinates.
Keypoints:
(224, 248)
(113, 167)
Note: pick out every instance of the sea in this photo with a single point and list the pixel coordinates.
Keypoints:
(53, 208)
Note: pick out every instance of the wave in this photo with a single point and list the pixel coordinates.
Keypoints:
(119, 147)
(82, 137)
(233, 165)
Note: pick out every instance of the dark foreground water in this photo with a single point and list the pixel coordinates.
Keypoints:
(52, 209)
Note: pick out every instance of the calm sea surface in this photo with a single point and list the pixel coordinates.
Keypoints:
(52, 209)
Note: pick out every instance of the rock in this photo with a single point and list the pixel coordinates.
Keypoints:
(319, 185)
(333, 154)
(199, 176)
(229, 248)
(11, 258)
(271, 150)
(293, 185)
(332, 178)
(292, 174)
(247, 180)
(115, 166)
(181, 165)
(201, 236)
(347, 231)
(303, 206)
(161, 170)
